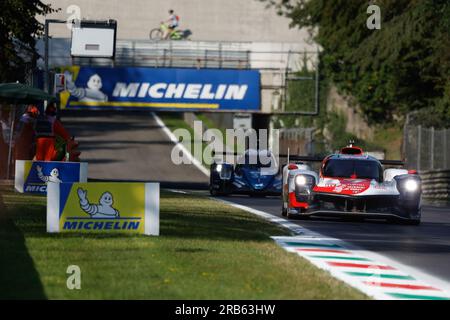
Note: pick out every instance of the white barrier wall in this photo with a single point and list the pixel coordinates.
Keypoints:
(216, 20)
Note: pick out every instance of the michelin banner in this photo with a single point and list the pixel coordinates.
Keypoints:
(160, 89)
(33, 176)
(100, 207)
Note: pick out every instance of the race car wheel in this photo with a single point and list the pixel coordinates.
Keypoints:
(413, 222)
(296, 216)
(283, 211)
(415, 217)
(218, 193)
(214, 192)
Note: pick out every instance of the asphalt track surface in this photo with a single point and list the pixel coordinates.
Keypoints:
(129, 147)
(425, 247)
(133, 147)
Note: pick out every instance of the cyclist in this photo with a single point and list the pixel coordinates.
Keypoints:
(171, 24)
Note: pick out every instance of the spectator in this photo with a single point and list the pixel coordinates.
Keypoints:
(171, 23)
(25, 143)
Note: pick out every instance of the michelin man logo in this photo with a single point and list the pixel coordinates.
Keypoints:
(53, 177)
(102, 210)
(90, 94)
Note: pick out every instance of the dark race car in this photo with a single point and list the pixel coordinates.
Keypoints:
(249, 175)
(351, 183)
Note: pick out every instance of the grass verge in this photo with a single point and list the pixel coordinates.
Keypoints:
(207, 250)
(175, 121)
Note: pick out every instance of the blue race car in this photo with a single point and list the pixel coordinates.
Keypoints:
(256, 172)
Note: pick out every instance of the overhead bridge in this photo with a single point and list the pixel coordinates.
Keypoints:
(277, 63)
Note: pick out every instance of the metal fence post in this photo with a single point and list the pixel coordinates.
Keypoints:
(419, 144)
(133, 46)
(171, 54)
(164, 56)
(446, 131)
(220, 55)
(248, 59)
(432, 148)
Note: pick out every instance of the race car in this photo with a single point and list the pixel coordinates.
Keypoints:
(351, 183)
(249, 175)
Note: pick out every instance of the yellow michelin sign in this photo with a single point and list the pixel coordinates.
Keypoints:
(103, 207)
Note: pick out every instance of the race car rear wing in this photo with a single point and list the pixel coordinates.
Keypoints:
(302, 158)
(392, 162)
(223, 153)
(320, 159)
(311, 158)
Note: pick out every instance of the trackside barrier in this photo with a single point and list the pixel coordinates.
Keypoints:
(33, 176)
(436, 186)
(103, 207)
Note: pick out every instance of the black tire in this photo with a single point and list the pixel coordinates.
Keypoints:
(415, 217)
(218, 193)
(353, 219)
(283, 211)
(213, 192)
(252, 195)
(413, 222)
(156, 34)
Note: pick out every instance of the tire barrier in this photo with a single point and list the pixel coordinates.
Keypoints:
(436, 186)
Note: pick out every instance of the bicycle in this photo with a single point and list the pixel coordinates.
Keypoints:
(177, 34)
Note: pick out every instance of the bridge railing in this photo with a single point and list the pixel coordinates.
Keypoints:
(193, 54)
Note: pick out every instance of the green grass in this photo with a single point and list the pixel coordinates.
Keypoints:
(175, 121)
(206, 250)
(390, 138)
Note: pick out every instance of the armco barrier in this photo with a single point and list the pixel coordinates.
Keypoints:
(436, 186)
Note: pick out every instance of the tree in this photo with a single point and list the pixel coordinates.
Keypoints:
(403, 67)
(19, 29)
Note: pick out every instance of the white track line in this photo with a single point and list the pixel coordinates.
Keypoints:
(303, 234)
(180, 146)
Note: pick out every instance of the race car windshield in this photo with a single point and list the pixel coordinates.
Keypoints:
(350, 168)
(257, 165)
(255, 162)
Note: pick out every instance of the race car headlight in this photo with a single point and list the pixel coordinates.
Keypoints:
(224, 170)
(300, 180)
(411, 185)
(303, 180)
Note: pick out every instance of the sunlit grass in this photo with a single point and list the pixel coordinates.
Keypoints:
(206, 250)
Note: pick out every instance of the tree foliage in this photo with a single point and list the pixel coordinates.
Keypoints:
(18, 31)
(403, 67)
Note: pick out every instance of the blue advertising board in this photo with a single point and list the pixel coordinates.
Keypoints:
(160, 89)
(33, 176)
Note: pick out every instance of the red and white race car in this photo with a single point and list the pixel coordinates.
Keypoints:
(351, 183)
